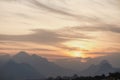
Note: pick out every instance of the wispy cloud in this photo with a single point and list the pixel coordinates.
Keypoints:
(56, 10)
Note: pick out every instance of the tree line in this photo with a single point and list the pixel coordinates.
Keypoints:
(110, 76)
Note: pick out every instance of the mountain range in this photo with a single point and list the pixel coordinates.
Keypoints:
(24, 66)
(41, 64)
(104, 67)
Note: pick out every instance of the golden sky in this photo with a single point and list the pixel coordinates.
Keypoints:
(60, 28)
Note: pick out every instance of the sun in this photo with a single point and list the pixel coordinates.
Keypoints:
(77, 54)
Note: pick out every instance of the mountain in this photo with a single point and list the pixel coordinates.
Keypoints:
(75, 64)
(104, 67)
(41, 64)
(4, 58)
(15, 71)
(37, 64)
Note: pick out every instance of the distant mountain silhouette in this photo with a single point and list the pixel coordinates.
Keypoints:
(103, 68)
(15, 71)
(24, 65)
(41, 64)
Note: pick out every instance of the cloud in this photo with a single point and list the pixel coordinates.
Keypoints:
(71, 48)
(103, 53)
(62, 10)
(27, 49)
(48, 37)
(39, 36)
(50, 6)
(99, 27)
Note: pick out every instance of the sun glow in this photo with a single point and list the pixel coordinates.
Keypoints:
(77, 54)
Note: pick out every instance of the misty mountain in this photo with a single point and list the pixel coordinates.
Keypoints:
(41, 64)
(15, 71)
(104, 67)
(73, 63)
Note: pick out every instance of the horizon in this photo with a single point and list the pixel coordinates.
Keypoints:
(77, 61)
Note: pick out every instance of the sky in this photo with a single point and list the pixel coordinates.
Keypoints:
(59, 29)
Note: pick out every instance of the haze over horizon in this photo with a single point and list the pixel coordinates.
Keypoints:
(62, 30)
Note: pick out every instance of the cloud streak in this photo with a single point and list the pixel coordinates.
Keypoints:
(59, 10)
(27, 49)
(63, 11)
(99, 27)
(48, 37)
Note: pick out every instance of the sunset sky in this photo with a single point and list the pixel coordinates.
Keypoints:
(60, 28)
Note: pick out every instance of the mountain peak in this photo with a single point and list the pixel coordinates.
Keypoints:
(104, 67)
(22, 53)
(105, 63)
